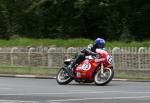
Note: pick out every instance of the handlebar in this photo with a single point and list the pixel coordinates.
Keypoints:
(96, 56)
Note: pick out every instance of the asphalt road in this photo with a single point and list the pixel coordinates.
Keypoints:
(27, 90)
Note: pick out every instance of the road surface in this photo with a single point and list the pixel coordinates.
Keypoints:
(28, 90)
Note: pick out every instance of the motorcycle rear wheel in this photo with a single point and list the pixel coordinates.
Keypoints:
(62, 77)
(103, 79)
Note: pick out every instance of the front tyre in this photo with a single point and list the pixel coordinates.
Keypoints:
(62, 77)
(103, 79)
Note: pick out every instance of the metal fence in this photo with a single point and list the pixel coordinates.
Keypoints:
(123, 58)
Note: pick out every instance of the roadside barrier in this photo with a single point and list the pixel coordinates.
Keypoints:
(129, 58)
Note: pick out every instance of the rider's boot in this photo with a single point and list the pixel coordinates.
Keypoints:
(70, 70)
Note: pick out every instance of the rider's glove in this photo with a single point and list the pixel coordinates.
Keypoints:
(97, 55)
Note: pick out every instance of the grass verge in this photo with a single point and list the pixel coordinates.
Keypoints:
(79, 42)
(28, 70)
(121, 74)
(133, 74)
(24, 42)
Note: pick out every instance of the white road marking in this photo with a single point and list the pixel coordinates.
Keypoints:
(6, 88)
(9, 101)
(66, 93)
(55, 102)
(81, 99)
(109, 98)
(29, 101)
(63, 93)
(4, 100)
(17, 101)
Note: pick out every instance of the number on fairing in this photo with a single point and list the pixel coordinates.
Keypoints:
(86, 66)
(109, 59)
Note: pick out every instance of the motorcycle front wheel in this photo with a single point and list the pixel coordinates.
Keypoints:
(62, 77)
(104, 78)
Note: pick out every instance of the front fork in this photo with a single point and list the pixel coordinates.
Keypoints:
(102, 68)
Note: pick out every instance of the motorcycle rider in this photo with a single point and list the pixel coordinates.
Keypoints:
(90, 50)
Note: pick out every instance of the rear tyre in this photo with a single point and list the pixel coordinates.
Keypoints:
(62, 77)
(103, 79)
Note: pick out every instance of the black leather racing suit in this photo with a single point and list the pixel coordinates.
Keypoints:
(81, 55)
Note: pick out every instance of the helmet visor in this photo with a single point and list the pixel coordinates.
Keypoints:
(100, 45)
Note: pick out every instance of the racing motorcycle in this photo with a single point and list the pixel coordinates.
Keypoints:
(93, 69)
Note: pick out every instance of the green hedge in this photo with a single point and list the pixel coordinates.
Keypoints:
(79, 42)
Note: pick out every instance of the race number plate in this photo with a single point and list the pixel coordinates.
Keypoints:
(86, 66)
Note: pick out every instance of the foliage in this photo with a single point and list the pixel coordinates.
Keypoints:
(16, 41)
(123, 20)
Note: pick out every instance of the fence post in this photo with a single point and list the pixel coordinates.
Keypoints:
(149, 56)
(29, 56)
(50, 58)
(139, 59)
(11, 55)
(113, 55)
(70, 50)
